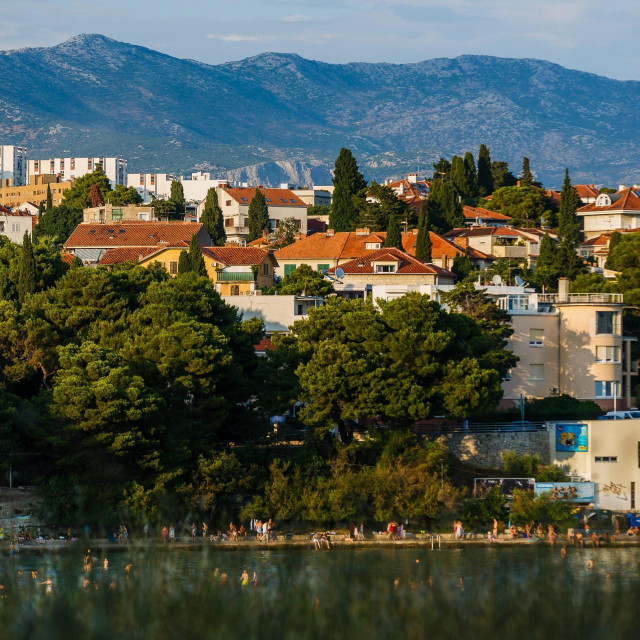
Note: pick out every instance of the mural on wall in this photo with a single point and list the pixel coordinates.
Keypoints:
(572, 438)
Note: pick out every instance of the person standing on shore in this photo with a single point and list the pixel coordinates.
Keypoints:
(205, 528)
(495, 529)
(165, 533)
(193, 532)
(172, 534)
(551, 532)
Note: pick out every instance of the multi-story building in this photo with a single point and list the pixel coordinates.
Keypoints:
(313, 196)
(13, 166)
(72, 168)
(235, 201)
(238, 271)
(151, 185)
(35, 192)
(322, 251)
(108, 213)
(611, 212)
(14, 224)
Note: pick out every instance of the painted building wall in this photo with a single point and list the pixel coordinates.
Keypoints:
(14, 227)
(36, 193)
(71, 168)
(13, 165)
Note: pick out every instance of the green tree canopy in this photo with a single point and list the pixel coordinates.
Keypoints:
(77, 196)
(568, 221)
(304, 280)
(526, 206)
(381, 205)
(423, 239)
(258, 216)
(394, 235)
(212, 218)
(501, 176)
(196, 259)
(348, 182)
(485, 177)
(526, 177)
(176, 195)
(122, 195)
(27, 269)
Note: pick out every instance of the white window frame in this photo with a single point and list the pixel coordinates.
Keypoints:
(536, 341)
(611, 354)
(608, 386)
(531, 375)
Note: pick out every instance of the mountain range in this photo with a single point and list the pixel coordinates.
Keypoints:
(280, 117)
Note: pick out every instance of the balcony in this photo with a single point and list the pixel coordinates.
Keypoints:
(584, 298)
(507, 251)
(236, 231)
(234, 276)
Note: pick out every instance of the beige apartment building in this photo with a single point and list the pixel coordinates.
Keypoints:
(113, 213)
(35, 193)
(569, 344)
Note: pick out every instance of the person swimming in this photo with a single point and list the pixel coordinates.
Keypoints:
(244, 578)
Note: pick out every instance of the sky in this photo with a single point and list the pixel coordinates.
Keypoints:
(590, 35)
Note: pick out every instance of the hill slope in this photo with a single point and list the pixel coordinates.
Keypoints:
(92, 94)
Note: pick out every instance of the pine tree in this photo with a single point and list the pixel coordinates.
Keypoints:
(394, 235)
(41, 209)
(614, 241)
(526, 177)
(258, 216)
(196, 259)
(485, 177)
(176, 195)
(441, 170)
(423, 240)
(459, 175)
(348, 182)
(568, 222)
(49, 198)
(471, 177)
(26, 269)
(462, 267)
(212, 218)
(184, 262)
(95, 196)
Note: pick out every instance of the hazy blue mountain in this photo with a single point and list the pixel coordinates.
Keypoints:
(95, 95)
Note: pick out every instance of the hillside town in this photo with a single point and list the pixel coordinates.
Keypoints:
(553, 276)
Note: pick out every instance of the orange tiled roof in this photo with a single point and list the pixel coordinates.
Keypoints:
(128, 254)
(66, 257)
(136, 234)
(407, 263)
(274, 197)
(472, 213)
(625, 200)
(586, 191)
(602, 240)
(236, 255)
(264, 345)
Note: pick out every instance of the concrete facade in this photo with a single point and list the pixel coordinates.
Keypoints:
(36, 193)
(110, 213)
(72, 168)
(15, 225)
(13, 165)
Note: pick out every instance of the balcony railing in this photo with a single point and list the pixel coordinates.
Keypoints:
(234, 276)
(593, 298)
(231, 231)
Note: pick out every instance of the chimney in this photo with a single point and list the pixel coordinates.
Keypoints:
(621, 187)
(412, 178)
(330, 232)
(563, 289)
(265, 235)
(365, 231)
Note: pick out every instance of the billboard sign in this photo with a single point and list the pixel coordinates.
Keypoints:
(569, 491)
(572, 438)
(482, 486)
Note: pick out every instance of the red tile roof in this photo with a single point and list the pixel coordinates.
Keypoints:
(473, 213)
(235, 256)
(274, 197)
(128, 254)
(407, 263)
(602, 240)
(264, 345)
(586, 191)
(132, 234)
(345, 245)
(625, 200)
(66, 257)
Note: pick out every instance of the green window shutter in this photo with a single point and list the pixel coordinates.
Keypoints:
(323, 267)
(289, 268)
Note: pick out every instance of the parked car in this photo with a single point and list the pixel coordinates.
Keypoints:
(630, 414)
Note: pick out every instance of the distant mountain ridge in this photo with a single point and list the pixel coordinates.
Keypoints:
(283, 116)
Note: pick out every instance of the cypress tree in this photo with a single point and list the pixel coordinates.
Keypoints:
(26, 269)
(212, 218)
(49, 198)
(184, 262)
(441, 170)
(176, 195)
(41, 209)
(485, 177)
(462, 267)
(614, 241)
(258, 216)
(436, 204)
(459, 175)
(196, 260)
(546, 273)
(95, 196)
(423, 240)
(568, 222)
(348, 182)
(526, 177)
(394, 235)
(471, 177)
(451, 207)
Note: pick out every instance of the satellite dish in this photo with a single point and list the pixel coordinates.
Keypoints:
(497, 280)
(519, 281)
(339, 273)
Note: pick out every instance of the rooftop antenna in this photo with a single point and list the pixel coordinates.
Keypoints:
(497, 280)
(519, 281)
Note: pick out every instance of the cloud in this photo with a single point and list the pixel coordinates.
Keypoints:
(234, 37)
(297, 17)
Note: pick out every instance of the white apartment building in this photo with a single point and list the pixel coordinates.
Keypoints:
(14, 224)
(72, 168)
(158, 185)
(13, 166)
(611, 212)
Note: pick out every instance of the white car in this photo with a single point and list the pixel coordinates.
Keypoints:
(631, 414)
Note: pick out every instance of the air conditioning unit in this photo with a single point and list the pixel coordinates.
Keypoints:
(555, 391)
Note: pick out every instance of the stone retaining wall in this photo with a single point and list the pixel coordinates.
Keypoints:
(484, 450)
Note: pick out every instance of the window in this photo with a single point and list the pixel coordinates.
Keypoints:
(265, 269)
(604, 321)
(52, 166)
(606, 458)
(141, 180)
(289, 268)
(235, 289)
(536, 372)
(299, 311)
(322, 267)
(141, 216)
(385, 268)
(293, 200)
(373, 245)
(608, 354)
(268, 199)
(243, 199)
(536, 337)
(283, 200)
(72, 162)
(228, 222)
(90, 164)
(36, 166)
(228, 203)
(518, 303)
(606, 389)
(173, 267)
